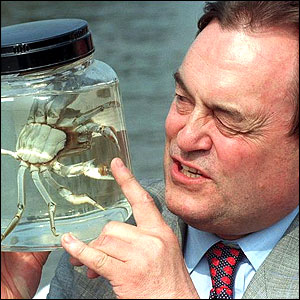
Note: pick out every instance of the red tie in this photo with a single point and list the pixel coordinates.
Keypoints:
(222, 262)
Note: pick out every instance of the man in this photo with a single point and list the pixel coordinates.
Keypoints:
(231, 174)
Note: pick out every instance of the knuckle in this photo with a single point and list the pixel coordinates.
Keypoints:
(100, 261)
(129, 179)
(156, 245)
(81, 252)
(161, 241)
(109, 227)
(146, 197)
(99, 241)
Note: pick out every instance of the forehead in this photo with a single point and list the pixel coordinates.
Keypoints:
(272, 46)
(251, 62)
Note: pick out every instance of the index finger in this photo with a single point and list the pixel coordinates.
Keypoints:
(144, 210)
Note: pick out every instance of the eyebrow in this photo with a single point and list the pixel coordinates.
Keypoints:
(233, 112)
(180, 82)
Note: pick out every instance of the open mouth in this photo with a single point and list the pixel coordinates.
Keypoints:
(189, 172)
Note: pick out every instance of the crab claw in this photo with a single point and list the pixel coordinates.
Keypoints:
(87, 168)
(110, 133)
(100, 172)
(106, 131)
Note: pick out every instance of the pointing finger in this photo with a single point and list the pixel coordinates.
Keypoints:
(144, 210)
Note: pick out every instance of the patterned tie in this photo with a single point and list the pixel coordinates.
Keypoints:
(222, 262)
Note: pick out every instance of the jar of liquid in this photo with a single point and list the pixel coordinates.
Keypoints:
(61, 125)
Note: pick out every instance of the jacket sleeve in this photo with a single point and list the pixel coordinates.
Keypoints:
(62, 282)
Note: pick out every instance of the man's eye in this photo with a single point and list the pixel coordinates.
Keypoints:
(227, 130)
(180, 98)
(183, 104)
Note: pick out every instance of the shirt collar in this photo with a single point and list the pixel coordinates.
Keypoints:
(197, 243)
(256, 246)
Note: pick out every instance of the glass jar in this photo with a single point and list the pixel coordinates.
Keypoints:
(61, 125)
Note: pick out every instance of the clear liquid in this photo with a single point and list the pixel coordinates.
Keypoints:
(94, 108)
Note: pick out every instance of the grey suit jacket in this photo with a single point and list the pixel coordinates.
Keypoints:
(277, 278)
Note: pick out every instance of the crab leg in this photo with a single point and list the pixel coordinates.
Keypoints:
(86, 168)
(32, 111)
(8, 152)
(20, 205)
(37, 112)
(58, 109)
(51, 204)
(89, 114)
(67, 194)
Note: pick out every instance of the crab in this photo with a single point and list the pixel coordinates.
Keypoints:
(54, 130)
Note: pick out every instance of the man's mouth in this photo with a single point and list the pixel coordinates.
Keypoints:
(189, 172)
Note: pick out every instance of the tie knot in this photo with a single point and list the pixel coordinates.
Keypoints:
(222, 262)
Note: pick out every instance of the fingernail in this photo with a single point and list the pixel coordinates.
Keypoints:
(119, 163)
(68, 238)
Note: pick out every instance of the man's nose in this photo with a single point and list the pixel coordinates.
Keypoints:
(194, 136)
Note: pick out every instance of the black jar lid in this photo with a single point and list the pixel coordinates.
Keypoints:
(42, 44)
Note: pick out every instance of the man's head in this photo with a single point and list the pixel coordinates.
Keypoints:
(233, 122)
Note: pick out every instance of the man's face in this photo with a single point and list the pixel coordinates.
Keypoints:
(230, 167)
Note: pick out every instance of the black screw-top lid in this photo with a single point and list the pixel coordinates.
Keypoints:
(43, 44)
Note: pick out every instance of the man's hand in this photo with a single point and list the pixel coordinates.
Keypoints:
(21, 273)
(143, 261)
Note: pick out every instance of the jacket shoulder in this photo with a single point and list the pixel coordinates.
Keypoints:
(278, 276)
